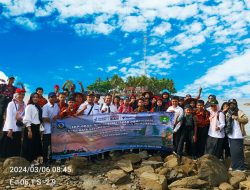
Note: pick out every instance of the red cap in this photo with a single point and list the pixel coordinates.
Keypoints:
(56, 86)
(19, 90)
(156, 97)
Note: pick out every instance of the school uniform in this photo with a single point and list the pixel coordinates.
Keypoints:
(109, 108)
(11, 146)
(236, 144)
(49, 111)
(177, 120)
(32, 148)
(215, 138)
(203, 123)
(187, 132)
(90, 110)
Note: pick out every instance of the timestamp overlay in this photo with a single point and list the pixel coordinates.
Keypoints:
(32, 176)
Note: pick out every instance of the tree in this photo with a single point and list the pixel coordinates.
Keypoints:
(151, 83)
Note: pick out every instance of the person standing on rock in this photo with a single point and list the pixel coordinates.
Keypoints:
(32, 145)
(216, 131)
(203, 122)
(236, 119)
(188, 133)
(177, 121)
(50, 113)
(6, 95)
(10, 144)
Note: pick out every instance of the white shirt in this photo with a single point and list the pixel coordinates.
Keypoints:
(113, 108)
(214, 122)
(49, 111)
(177, 116)
(10, 121)
(31, 115)
(95, 110)
(236, 132)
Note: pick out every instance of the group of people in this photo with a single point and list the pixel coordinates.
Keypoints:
(199, 128)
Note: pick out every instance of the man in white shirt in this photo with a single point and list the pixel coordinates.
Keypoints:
(108, 107)
(50, 113)
(90, 108)
(177, 120)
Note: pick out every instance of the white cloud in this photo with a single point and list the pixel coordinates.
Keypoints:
(111, 68)
(134, 24)
(88, 29)
(162, 29)
(17, 7)
(3, 76)
(232, 74)
(126, 60)
(27, 23)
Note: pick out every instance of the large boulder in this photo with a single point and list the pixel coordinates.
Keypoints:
(143, 169)
(134, 158)
(117, 176)
(153, 181)
(76, 165)
(236, 178)
(189, 182)
(125, 165)
(16, 166)
(212, 170)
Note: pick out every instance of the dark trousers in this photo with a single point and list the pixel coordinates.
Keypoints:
(185, 135)
(10, 147)
(226, 148)
(237, 154)
(214, 146)
(46, 147)
(202, 133)
(3, 106)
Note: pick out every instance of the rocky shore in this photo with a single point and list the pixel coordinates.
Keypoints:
(130, 171)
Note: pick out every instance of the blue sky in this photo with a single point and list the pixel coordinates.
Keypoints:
(195, 42)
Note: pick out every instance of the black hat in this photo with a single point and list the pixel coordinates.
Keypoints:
(232, 101)
(11, 77)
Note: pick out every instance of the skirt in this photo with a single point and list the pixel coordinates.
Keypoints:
(237, 154)
(214, 146)
(32, 148)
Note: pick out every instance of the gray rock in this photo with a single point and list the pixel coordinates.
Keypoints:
(153, 181)
(212, 170)
(125, 165)
(237, 177)
(117, 176)
(189, 182)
